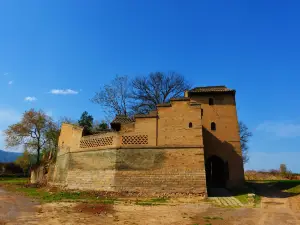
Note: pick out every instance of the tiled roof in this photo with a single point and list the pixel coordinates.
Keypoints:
(152, 114)
(164, 105)
(180, 99)
(144, 116)
(121, 119)
(212, 89)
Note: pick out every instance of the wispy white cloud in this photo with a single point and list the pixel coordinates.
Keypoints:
(5, 74)
(280, 129)
(63, 92)
(10, 82)
(30, 99)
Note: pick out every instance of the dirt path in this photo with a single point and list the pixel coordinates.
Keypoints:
(277, 207)
(13, 206)
(16, 210)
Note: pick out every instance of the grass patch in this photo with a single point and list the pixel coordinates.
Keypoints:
(289, 186)
(212, 218)
(160, 200)
(243, 198)
(153, 201)
(242, 193)
(20, 185)
(13, 180)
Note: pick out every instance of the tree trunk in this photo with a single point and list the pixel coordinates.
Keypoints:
(38, 156)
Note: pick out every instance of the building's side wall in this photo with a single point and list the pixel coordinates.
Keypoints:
(173, 125)
(59, 172)
(92, 170)
(135, 161)
(225, 140)
(69, 138)
(161, 170)
(147, 126)
(135, 170)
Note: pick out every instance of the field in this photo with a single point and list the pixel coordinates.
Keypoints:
(276, 202)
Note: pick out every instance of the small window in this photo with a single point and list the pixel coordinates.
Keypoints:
(213, 126)
(190, 125)
(201, 113)
(211, 101)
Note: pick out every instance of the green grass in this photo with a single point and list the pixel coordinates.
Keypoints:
(41, 194)
(290, 186)
(153, 201)
(13, 180)
(243, 198)
(242, 193)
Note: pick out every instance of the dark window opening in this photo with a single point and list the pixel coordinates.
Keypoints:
(211, 101)
(213, 126)
(201, 113)
(190, 125)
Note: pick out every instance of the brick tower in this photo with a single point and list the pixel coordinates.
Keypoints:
(222, 148)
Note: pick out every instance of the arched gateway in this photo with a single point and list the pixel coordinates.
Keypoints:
(216, 172)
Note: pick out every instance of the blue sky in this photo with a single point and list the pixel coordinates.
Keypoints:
(251, 46)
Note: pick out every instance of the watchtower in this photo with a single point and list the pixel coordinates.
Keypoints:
(221, 139)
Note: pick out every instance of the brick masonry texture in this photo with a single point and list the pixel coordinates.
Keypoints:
(141, 170)
(166, 152)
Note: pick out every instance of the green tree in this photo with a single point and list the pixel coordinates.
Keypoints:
(98, 127)
(86, 121)
(24, 161)
(103, 126)
(30, 131)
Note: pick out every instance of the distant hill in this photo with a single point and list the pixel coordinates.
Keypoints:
(8, 156)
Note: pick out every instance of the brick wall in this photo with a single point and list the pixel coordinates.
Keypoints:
(224, 142)
(161, 170)
(147, 125)
(173, 124)
(58, 173)
(145, 170)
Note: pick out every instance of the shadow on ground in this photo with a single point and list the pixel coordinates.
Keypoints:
(270, 189)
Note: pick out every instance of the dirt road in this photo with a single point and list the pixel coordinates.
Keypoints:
(19, 210)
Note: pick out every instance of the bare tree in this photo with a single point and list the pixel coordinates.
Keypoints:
(245, 134)
(156, 88)
(114, 97)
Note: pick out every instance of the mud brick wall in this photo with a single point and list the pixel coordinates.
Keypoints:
(92, 170)
(59, 172)
(223, 142)
(161, 170)
(144, 170)
(173, 125)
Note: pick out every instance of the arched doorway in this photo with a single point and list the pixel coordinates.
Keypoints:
(216, 172)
